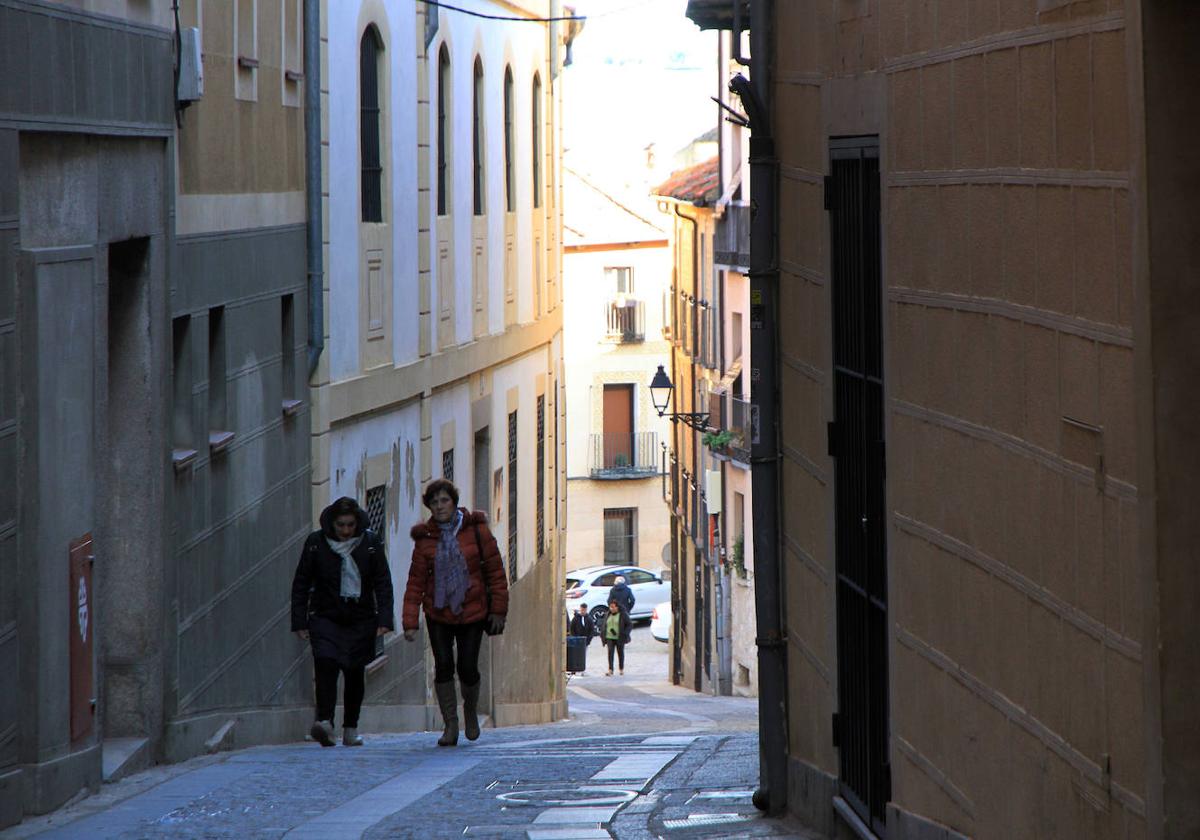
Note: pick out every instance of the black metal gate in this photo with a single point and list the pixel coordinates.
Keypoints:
(856, 442)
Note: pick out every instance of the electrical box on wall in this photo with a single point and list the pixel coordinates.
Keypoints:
(191, 66)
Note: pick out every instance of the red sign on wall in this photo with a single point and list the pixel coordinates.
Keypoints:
(83, 693)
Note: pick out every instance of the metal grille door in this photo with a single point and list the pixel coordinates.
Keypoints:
(856, 442)
(512, 496)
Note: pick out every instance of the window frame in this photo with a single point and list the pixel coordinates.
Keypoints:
(509, 187)
(478, 141)
(536, 125)
(443, 117)
(370, 109)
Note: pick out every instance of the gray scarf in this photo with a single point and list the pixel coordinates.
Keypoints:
(450, 576)
(351, 580)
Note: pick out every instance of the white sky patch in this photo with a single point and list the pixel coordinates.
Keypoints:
(642, 73)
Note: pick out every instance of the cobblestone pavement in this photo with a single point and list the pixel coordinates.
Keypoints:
(639, 758)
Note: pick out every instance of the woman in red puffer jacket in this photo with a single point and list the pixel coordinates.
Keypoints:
(457, 577)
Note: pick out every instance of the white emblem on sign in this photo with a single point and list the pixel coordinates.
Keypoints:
(83, 609)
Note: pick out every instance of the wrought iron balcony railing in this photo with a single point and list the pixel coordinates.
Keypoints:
(739, 424)
(731, 245)
(626, 320)
(623, 454)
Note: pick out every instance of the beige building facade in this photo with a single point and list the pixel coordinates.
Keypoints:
(985, 469)
(616, 267)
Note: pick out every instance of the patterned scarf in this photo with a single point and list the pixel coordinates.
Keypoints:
(351, 581)
(450, 576)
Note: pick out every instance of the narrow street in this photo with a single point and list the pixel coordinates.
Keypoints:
(639, 758)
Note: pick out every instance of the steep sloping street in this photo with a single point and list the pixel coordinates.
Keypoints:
(639, 758)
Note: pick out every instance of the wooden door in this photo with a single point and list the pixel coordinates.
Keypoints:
(618, 426)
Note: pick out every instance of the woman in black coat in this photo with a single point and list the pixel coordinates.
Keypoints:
(341, 601)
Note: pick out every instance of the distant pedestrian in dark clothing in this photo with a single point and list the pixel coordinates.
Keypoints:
(623, 595)
(581, 624)
(616, 635)
(341, 601)
(457, 578)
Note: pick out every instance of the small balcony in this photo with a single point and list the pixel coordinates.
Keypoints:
(617, 455)
(626, 320)
(731, 244)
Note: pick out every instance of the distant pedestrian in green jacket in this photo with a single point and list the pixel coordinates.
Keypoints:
(615, 632)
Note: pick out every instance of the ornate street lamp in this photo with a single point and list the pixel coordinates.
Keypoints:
(660, 396)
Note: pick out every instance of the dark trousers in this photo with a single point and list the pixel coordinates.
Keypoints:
(619, 647)
(352, 693)
(443, 638)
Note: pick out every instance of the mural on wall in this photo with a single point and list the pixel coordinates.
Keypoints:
(498, 495)
(410, 481)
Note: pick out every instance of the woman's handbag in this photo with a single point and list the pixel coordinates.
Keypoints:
(487, 627)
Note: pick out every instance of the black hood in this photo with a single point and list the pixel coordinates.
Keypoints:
(327, 518)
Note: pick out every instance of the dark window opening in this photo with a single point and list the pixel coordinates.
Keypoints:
(370, 146)
(217, 419)
(619, 536)
(509, 199)
(182, 435)
(287, 345)
(443, 105)
(537, 141)
(448, 465)
(477, 141)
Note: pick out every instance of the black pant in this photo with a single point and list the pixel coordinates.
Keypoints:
(442, 638)
(352, 693)
(619, 647)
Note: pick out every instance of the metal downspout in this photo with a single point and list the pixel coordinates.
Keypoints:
(312, 182)
(691, 552)
(764, 384)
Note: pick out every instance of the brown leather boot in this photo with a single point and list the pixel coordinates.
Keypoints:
(447, 699)
(470, 711)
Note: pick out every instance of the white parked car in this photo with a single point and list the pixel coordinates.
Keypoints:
(591, 586)
(660, 622)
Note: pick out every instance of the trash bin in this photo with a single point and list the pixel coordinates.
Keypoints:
(577, 654)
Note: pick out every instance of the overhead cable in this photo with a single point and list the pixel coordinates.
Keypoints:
(512, 18)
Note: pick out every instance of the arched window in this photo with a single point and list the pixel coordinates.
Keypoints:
(443, 116)
(509, 200)
(370, 142)
(537, 140)
(477, 139)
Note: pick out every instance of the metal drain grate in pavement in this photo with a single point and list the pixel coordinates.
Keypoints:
(698, 820)
(580, 796)
(724, 795)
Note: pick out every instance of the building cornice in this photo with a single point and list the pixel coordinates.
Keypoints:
(388, 388)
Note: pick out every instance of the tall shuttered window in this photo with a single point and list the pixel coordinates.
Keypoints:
(512, 496)
(477, 141)
(370, 145)
(509, 198)
(537, 141)
(443, 116)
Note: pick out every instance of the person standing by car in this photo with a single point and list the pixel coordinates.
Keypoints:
(623, 595)
(581, 624)
(341, 601)
(616, 635)
(457, 577)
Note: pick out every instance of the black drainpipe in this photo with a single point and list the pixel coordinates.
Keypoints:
(756, 97)
(312, 181)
